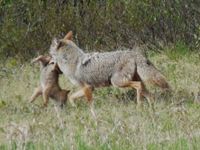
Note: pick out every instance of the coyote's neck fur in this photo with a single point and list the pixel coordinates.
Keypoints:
(68, 61)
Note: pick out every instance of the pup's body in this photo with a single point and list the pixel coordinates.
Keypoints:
(49, 85)
(119, 68)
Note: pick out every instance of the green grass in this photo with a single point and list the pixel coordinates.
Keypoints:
(175, 124)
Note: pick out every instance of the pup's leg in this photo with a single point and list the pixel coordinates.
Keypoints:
(37, 92)
(63, 95)
(46, 94)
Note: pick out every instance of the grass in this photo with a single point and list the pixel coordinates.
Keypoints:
(175, 124)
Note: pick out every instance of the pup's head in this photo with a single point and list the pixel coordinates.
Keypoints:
(55, 67)
(44, 60)
(64, 97)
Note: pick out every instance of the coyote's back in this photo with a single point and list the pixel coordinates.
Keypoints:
(98, 69)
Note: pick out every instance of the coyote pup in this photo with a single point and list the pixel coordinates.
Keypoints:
(90, 70)
(49, 86)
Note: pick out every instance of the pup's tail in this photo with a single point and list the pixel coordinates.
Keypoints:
(148, 73)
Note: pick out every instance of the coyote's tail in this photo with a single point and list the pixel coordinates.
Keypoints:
(148, 73)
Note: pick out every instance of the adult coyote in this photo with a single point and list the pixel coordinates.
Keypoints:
(49, 86)
(119, 68)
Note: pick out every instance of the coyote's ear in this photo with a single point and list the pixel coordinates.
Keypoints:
(61, 43)
(68, 36)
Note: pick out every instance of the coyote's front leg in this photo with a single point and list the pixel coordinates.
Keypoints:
(86, 91)
(76, 95)
(88, 94)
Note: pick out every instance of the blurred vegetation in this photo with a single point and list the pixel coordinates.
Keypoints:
(175, 124)
(27, 26)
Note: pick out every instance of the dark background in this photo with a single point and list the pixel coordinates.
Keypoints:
(28, 26)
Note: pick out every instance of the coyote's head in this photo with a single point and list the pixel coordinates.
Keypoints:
(56, 44)
(63, 47)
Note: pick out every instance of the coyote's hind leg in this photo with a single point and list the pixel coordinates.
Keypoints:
(141, 91)
(120, 81)
(138, 86)
(150, 97)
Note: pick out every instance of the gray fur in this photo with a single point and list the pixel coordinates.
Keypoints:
(101, 69)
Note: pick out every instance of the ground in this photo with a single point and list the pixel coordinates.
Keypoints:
(175, 123)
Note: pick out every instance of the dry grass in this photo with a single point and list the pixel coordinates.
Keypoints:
(175, 124)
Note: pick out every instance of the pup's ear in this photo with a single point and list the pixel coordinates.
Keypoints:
(43, 59)
(37, 59)
(68, 36)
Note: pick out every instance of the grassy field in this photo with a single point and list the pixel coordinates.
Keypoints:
(175, 124)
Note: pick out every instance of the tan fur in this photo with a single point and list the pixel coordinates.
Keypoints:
(49, 86)
(68, 36)
(128, 68)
